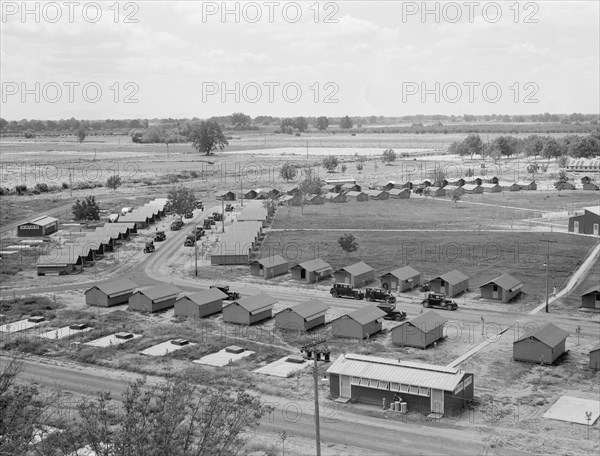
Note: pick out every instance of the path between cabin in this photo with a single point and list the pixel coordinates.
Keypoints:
(580, 273)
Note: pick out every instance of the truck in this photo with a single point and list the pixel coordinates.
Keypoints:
(231, 295)
(379, 294)
(391, 313)
(344, 290)
(439, 301)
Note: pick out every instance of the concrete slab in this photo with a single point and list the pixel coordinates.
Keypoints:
(572, 409)
(282, 368)
(21, 325)
(164, 348)
(222, 358)
(111, 340)
(62, 333)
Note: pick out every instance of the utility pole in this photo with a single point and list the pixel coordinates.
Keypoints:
(223, 214)
(196, 256)
(316, 379)
(242, 190)
(547, 265)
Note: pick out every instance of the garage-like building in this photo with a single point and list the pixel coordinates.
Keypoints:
(503, 288)
(357, 274)
(250, 310)
(401, 279)
(200, 304)
(421, 331)
(110, 293)
(590, 299)
(41, 226)
(424, 388)
(543, 346)
(155, 298)
(311, 270)
(587, 222)
(360, 324)
(302, 317)
(270, 266)
(451, 283)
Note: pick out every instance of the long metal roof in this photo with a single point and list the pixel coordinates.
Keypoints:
(256, 303)
(314, 265)
(271, 261)
(453, 277)
(404, 273)
(206, 296)
(366, 315)
(393, 371)
(44, 220)
(159, 292)
(426, 322)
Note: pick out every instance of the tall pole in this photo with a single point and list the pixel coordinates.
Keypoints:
(196, 256)
(547, 266)
(242, 190)
(223, 214)
(316, 379)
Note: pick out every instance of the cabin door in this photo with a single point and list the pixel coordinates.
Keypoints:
(576, 227)
(345, 386)
(595, 229)
(495, 292)
(437, 401)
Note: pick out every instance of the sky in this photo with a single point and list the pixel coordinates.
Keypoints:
(159, 59)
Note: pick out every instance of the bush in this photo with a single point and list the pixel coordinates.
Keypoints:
(65, 185)
(41, 187)
(21, 189)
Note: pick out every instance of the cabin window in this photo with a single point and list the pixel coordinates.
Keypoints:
(424, 391)
(468, 381)
(394, 387)
(404, 388)
(414, 390)
(384, 385)
(364, 382)
(495, 287)
(459, 388)
(355, 381)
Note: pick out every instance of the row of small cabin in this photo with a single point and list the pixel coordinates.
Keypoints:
(88, 249)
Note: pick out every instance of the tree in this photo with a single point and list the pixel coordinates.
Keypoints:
(207, 137)
(439, 177)
(300, 124)
(343, 168)
(586, 147)
(4, 123)
(532, 146)
(88, 209)
(177, 417)
(288, 172)
(562, 180)
(359, 166)
(506, 145)
(310, 185)
(347, 243)
(181, 200)
(533, 169)
(473, 144)
(551, 149)
(346, 123)
(330, 163)
(426, 192)
(458, 148)
(562, 161)
(456, 195)
(81, 134)
(388, 156)
(240, 120)
(114, 182)
(322, 123)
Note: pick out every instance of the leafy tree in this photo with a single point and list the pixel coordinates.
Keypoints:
(343, 168)
(551, 149)
(456, 195)
(240, 120)
(300, 124)
(114, 182)
(346, 123)
(310, 185)
(177, 417)
(347, 243)
(473, 144)
(81, 134)
(533, 169)
(506, 145)
(532, 146)
(181, 200)
(439, 177)
(322, 123)
(458, 148)
(330, 163)
(469, 172)
(88, 209)
(562, 180)
(207, 137)
(495, 154)
(562, 161)
(388, 156)
(586, 147)
(359, 166)
(4, 123)
(288, 172)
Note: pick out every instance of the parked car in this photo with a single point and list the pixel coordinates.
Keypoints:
(199, 205)
(217, 216)
(149, 248)
(231, 295)
(344, 290)
(439, 301)
(190, 240)
(177, 224)
(188, 215)
(160, 236)
(391, 313)
(207, 224)
(379, 294)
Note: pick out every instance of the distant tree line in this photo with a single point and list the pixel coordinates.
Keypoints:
(575, 146)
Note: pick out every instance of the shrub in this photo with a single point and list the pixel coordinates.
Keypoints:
(41, 187)
(65, 185)
(21, 189)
